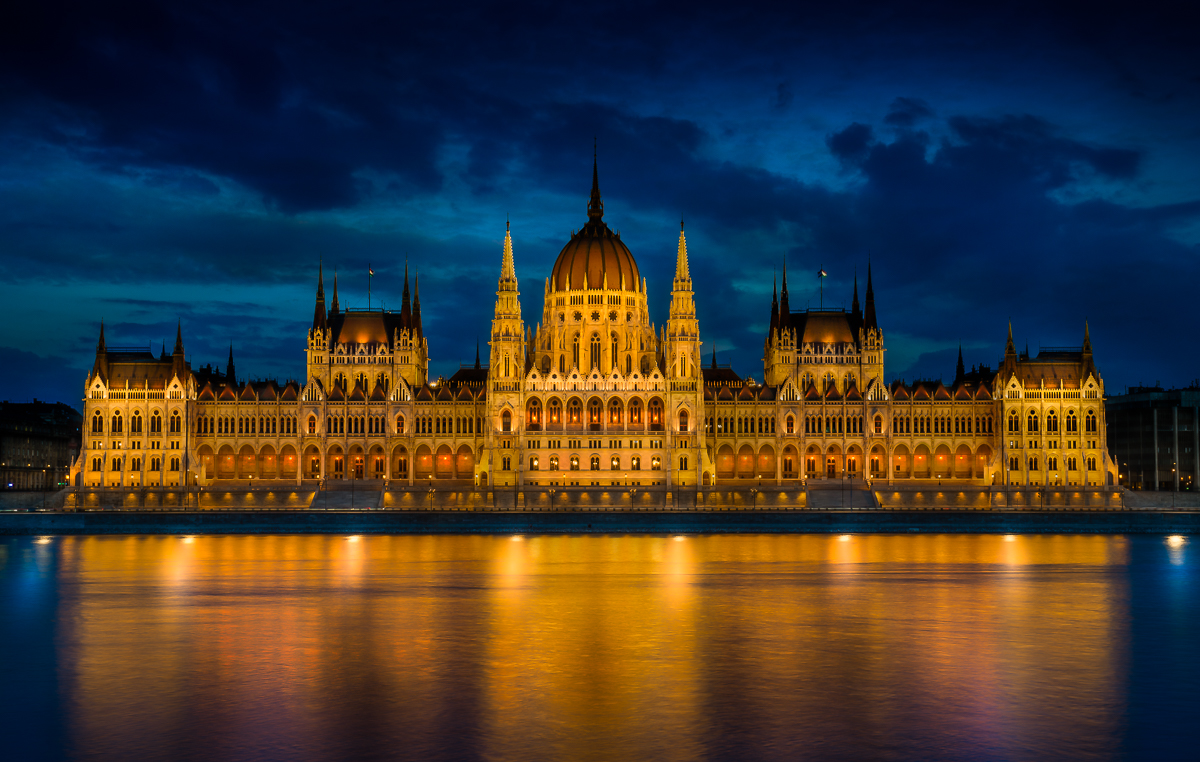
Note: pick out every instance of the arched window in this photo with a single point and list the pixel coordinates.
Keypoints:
(156, 423)
(1051, 422)
(176, 423)
(562, 363)
(628, 364)
(1072, 422)
(116, 422)
(615, 463)
(594, 411)
(595, 464)
(683, 420)
(574, 411)
(1090, 422)
(614, 411)
(656, 419)
(1031, 425)
(791, 424)
(615, 346)
(507, 366)
(635, 412)
(506, 421)
(1014, 423)
(555, 412)
(595, 364)
(878, 424)
(534, 413)
(533, 463)
(135, 423)
(575, 351)
(97, 423)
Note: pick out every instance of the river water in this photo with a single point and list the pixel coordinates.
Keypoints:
(781, 647)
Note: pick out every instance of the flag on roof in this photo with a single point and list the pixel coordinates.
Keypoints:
(822, 274)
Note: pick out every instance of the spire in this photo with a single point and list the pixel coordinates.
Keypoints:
(869, 312)
(476, 353)
(854, 308)
(100, 368)
(1087, 339)
(230, 375)
(319, 314)
(405, 303)
(100, 347)
(960, 370)
(785, 310)
(333, 308)
(178, 365)
(178, 338)
(508, 270)
(1010, 349)
(681, 260)
(714, 360)
(595, 205)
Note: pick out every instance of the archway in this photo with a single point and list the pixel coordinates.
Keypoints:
(335, 463)
(963, 465)
(943, 462)
(311, 465)
(812, 462)
(356, 463)
(766, 462)
(287, 462)
(791, 463)
(206, 462)
(268, 467)
(877, 467)
(423, 463)
(464, 463)
(246, 462)
(834, 465)
(922, 465)
(376, 463)
(745, 462)
(854, 462)
(983, 459)
(725, 466)
(400, 462)
(444, 463)
(902, 462)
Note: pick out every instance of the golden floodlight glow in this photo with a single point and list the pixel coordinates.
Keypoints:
(1010, 538)
(679, 538)
(353, 538)
(845, 538)
(189, 539)
(517, 538)
(1176, 541)
(43, 540)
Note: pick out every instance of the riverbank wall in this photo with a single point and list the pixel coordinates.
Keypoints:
(188, 522)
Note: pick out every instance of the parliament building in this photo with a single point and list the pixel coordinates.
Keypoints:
(593, 395)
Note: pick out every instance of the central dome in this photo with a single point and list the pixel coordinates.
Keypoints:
(594, 254)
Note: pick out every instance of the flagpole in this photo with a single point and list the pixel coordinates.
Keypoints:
(370, 273)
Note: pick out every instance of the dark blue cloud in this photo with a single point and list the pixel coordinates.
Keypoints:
(164, 161)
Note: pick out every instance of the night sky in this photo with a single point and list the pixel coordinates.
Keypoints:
(194, 162)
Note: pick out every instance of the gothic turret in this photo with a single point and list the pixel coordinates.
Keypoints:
(100, 367)
(230, 374)
(869, 320)
(681, 351)
(333, 308)
(178, 364)
(405, 303)
(319, 315)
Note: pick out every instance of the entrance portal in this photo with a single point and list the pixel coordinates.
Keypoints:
(831, 467)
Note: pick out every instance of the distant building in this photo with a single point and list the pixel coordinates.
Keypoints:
(1154, 438)
(595, 395)
(38, 443)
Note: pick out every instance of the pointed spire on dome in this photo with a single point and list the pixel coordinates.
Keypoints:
(333, 308)
(681, 260)
(100, 346)
(1087, 339)
(1010, 349)
(100, 367)
(960, 370)
(508, 269)
(405, 302)
(178, 338)
(595, 205)
(230, 374)
(319, 314)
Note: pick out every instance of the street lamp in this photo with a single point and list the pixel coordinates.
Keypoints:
(431, 491)
(753, 498)
(551, 493)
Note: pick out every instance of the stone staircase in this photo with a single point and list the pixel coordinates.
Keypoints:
(839, 494)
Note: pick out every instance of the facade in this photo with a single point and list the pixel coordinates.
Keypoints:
(593, 395)
(38, 443)
(1154, 437)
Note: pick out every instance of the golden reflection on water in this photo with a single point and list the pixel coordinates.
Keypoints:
(561, 647)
